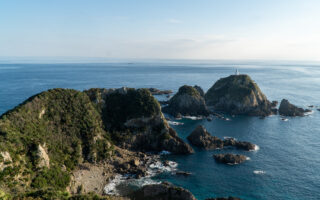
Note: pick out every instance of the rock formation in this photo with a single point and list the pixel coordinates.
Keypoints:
(188, 101)
(134, 119)
(288, 109)
(238, 94)
(47, 137)
(43, 159)
(200, 137)
(200, 90)
(164, 191)
(239, 144)
(230, 158)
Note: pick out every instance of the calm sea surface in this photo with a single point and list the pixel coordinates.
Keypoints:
(289, 153)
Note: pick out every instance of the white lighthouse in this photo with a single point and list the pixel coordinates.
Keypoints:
(237, 72)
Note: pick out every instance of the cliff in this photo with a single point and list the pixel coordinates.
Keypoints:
(135, 121)
(238, 94)
(187, 101)
(48, 137)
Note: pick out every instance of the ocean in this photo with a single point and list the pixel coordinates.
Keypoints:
(287, 164)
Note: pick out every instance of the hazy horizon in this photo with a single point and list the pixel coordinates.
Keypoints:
(169, 29)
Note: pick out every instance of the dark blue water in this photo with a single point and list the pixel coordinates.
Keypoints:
(289, 151)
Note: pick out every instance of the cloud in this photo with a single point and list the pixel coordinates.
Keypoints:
(174, 21)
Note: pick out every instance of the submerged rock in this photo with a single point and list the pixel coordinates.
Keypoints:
(238, 94)
(183, 173)
(188, 101)
(200, 137)
(288, 109)
(230, 158)
(163, 191)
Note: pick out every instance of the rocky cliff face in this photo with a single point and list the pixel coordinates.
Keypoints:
(288, 109)
(188, 101)
(135, 121)
(238, 94)
(200, 137)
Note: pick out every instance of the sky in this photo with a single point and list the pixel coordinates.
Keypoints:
(161, 29)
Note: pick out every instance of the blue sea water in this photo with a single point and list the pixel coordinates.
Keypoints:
(289, 151)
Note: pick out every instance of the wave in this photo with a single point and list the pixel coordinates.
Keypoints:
(284, 119)
(123, 184)
(309, 113)
(193, 117)
(259, 172)
(111, 187)
(227, 137)
(164, 152)
(256, 148)
(175, 123)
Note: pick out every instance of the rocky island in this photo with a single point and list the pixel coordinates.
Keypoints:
(288, 109)
(230, 158)
(187, 101)
(200, 137)
(238, 95)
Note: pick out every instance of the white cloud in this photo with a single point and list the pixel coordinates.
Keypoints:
(174, 21)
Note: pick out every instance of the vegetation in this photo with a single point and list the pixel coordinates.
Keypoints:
(121, 107)
(62, 120)
(65, 127)
(186, 89)
(234, 87)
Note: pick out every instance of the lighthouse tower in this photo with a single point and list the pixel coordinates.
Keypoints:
(237, 72)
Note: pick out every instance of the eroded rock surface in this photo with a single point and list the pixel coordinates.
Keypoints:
(238, 94)
(288, 109)
(200, 137)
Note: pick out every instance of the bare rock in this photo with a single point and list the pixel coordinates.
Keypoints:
(42, 157)
(288, 109)
(230, 158)
(200, 137)
(163, 191)
(5, 159)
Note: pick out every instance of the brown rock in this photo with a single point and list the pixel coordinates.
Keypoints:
(200, 137)
(230, 158)
(163, 191)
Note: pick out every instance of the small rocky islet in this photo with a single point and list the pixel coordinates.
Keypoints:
(64, 143)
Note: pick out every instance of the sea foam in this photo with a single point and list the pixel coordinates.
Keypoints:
(175, 123)
(259, 172)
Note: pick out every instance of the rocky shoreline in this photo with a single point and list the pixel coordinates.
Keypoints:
(93, 141)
